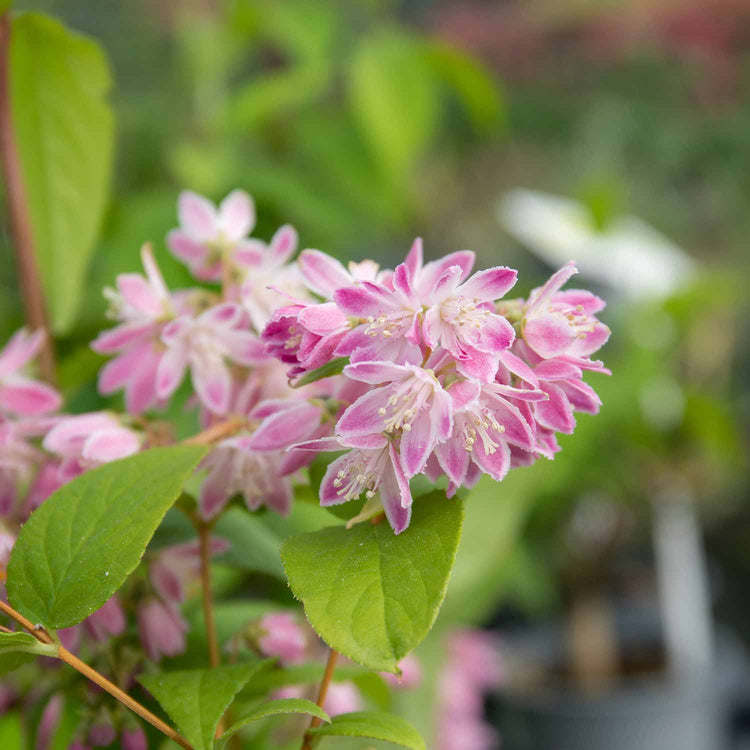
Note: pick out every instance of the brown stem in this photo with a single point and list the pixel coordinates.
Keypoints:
(18, 212)
(122, 696)
(204, 535)
(217, 432)
(322, 693)
(37, 631)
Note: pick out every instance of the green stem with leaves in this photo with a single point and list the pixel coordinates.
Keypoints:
(322, 693)
(98, 679)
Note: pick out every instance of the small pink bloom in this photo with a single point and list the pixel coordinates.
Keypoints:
(283, 638)
(324, 274)
(7, 540)
(88, 440)
(557, 323)
(342, 698)
(206, 345)
(107, 621)
(270, 277)
(101, 734)
(209, 236)
(411, 674)
(175, 567)
(162, 629)
(412, 404)
(371, 465)
(49, 722)
(133, 738)
(20, 395)
(143, 306)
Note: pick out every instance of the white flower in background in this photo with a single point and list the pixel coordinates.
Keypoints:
(628, 255)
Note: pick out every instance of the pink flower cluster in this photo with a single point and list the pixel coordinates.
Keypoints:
(447, 379)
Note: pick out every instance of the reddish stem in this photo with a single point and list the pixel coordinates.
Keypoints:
(18, 212)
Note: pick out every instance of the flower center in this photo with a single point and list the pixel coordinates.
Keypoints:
(405, 402)
(361, 473)
(477, 424)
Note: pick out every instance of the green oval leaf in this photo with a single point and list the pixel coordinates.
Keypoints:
(16, 649)
(196, 699)
(273, 708)
(373, 595)
(78, 548)
(375, 725)
(64, 131)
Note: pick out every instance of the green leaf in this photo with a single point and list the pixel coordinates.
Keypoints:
(196, 699)
(254, 546)
(78, 548)
(272, 708)
(16, 649)
(376, 725)
(334, 367)
(64, 131)
(393, 98)
(373, 595)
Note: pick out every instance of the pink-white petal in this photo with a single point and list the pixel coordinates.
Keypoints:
(284, 428)
(490, 284)
(283, 244)
(109, 445)
(322, 273)
(27, 397)
(377, 372)
(236, 215)
(363, 417)
(171, 370)
(548, 334)
(197, 215)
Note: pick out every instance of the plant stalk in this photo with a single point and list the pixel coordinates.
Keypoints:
(204, 535)
(216, 432)
(18, 213)
(73, 661)
(322, 693)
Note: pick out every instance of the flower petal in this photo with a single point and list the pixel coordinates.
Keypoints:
(28, 397)
(236, 215)
(322, 273)
(548, 334)
(109, 445)
(197, 215)
(556, 413)
(283, 244)
(490, 284)
(363, 416)
(284, 428)
(377, 372)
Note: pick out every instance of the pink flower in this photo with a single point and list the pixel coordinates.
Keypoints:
(107, 621)
(143, 306)
(371, 465)
(342, 698)
(7, 540)
(102, 733)
(206, 344)
(462, 319)
(563, 323)
(209, 237)
(162, 629)
(412, 404)
(269, 275)
(175, 567)
(20, 395)
(486, 424)
(392, 314)
(324, 274)
(305, 336)
(283, 637)
(49, 722)
(133, 738)
(411, 674)
(87, 440)
(18, 458)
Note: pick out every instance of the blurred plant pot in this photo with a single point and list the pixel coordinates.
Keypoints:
(644, 709)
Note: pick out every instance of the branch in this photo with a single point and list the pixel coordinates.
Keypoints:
(71, 659)
(322, 693)
(217, 432)
(18, 212)
(204, 535)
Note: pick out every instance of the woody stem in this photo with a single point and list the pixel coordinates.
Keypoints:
(322, 693)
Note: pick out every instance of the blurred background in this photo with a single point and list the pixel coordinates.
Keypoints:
(612, 583)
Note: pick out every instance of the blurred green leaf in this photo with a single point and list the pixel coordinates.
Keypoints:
(393, 96)
(369, 593)
(474, 85)
(64, 130)
(376, 725)
(16, 649)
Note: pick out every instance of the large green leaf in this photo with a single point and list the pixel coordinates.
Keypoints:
(393, 97)
(18, 648)
(78, 548)
(273, 708)
(196, 699)
(373, 595)
(376, 725)
(64, 130)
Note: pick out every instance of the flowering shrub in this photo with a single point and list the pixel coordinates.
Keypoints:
(427, 370)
